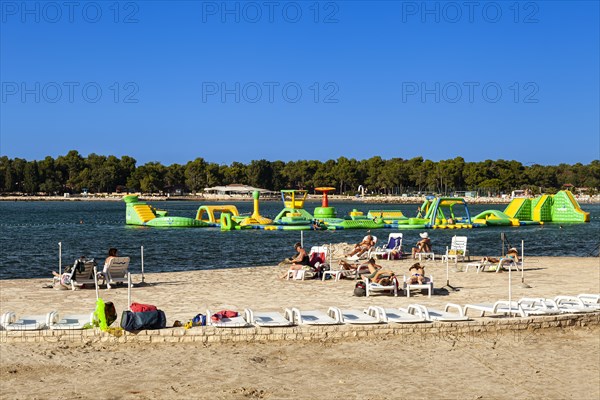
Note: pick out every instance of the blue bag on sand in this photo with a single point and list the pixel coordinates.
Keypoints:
(137, 321)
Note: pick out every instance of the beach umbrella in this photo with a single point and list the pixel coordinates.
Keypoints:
(448, 272)
(523, 284)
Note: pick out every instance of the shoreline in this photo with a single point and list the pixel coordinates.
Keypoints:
(241, 198)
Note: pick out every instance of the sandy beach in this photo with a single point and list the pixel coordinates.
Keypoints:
(552, 363)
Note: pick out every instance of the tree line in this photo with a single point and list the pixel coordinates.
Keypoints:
(74, 173)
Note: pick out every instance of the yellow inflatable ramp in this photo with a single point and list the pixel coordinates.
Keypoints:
(542, 210)
(513, 208)
(144, 212)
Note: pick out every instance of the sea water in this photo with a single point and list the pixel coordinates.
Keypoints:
(30, 233)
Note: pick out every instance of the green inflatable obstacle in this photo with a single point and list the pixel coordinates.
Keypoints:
(561, 207)
(293, 212)
(325, 211)
(138, 213)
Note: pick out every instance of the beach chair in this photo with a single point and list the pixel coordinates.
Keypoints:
(71, 322)
(116, 271)
(398, 316)
(314, 317)
(416, 286)
(316, 257)
(576, 303)
(458, 250)
(227, 322)
(564, 305)
(426, 256)
(81, 273)
(538, 306)
(500, 307)
(433, 315)
(479, 265)
(9, 321)
(266, 319)
(590, 299)
(394, 244)
(356, 317)
(372, 287)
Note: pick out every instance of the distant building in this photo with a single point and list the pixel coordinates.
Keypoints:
(238, 189)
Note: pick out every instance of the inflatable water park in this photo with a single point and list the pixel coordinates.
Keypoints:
(434, 213)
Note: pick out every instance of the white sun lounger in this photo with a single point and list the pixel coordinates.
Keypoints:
(432, 315)
(499, 307)
(576, 303)
(314, 317)
(356, 316)
(572, 306)
(266, 318)
(9, 322)
(538, 306)
(71, 322)
(399, 316)
(591, 299)
(234, 322)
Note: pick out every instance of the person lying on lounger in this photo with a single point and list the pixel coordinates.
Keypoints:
(417, 275)
(511, 257)
(371, 265)
(361, 248)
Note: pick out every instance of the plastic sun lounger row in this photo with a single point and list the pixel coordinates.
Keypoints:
(52, 320)
(414, 313)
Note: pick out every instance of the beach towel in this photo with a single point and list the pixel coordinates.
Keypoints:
(223, 314)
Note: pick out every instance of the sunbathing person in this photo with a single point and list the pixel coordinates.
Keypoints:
(511, 257)
(423, 245)
(300, 261)
(361, 248)
(417, 275)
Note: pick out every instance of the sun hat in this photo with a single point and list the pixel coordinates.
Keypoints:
(424, 235)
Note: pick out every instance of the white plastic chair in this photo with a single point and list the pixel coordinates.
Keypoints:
(267, 319)
(394, 243)
(458, 250)
(314, 317)
(413, 286)
(500, 307)
(431, 314)
(316, 257)
(233, 322)
(371, 287)
(116, 271)
(356, 317)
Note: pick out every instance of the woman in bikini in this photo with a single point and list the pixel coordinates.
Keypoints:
(417, 275)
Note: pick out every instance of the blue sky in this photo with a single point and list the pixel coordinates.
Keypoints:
(240, 81)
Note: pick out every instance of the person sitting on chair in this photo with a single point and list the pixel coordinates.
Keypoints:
(361, 248)
(300, 261)
(423, 245)
(417, 275)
